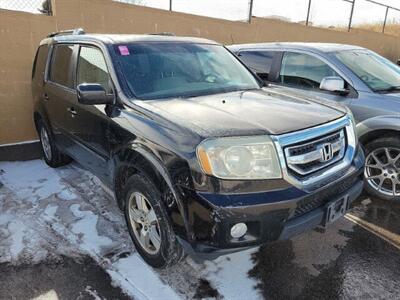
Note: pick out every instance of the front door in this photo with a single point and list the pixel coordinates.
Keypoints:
(91, 123)
(303, 73)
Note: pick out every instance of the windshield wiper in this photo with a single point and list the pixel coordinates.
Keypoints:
(393, 88)
(213, 91)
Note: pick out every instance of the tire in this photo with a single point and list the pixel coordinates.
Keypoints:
(52, 156)
(382, 168)
(169, 250)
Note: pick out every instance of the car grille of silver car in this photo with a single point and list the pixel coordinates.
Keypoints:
(314, 155)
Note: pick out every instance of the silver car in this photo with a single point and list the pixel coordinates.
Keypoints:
(364, 81)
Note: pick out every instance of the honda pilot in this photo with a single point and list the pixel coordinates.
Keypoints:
(359, 78)
(200, 156)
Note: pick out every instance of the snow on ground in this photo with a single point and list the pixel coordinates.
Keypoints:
(65, 211)
(70, 205)
(34, 181)
(229, 275)
(48, 213)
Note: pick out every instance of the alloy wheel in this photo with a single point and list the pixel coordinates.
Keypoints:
(44, 138)
(382, 171)
(144, 223)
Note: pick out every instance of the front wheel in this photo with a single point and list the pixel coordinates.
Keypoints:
(382, 168)
(149, 225)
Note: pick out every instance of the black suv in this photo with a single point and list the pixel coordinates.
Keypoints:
(199, 155)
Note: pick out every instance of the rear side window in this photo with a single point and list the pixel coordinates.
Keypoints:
(92, 67)
(61, 64)
(259, 62)
(39, 65)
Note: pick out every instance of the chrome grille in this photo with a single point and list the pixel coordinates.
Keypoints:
(308, 138)
(316, 154)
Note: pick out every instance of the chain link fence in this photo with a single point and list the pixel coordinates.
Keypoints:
(234, 10)
(376, 17)
(334, 14)
(31, 6)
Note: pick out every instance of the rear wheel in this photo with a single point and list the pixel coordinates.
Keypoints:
(148, 223)
(382, 168)
(52, 156)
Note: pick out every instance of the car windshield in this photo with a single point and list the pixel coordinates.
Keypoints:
(154, 70)
(378, 73)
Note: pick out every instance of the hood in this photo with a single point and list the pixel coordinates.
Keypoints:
(309, 96)
(243, 113)
(391, 96)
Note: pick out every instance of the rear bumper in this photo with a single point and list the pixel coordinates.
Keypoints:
(278, 215)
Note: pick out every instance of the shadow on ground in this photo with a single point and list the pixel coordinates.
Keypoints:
(57, 278)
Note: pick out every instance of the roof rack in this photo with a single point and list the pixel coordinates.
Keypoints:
(163, 33)
(75, 31)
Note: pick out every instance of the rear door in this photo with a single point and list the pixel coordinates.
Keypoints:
(59, 93)
(38, 72)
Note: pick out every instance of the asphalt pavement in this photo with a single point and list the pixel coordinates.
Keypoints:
(344, 262)
(57, 278)
(73, 239)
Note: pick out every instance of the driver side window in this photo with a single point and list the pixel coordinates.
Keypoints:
(303, 71)
(92, 68)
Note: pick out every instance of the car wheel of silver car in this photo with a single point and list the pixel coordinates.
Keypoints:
(382, 168)
(52, 156)
(148, 223)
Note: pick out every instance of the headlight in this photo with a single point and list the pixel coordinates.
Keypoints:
(239, 158)
(353, 123)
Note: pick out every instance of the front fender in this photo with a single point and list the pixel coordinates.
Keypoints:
(143, 159)
(389, 122)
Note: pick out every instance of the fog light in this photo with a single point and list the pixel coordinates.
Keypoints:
(238, 230)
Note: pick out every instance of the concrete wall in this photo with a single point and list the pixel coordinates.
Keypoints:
(21, 32)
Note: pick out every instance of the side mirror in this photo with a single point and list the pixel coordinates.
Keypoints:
(92, 94)
(333, 84)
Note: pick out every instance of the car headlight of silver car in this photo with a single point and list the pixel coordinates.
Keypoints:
(239, 158)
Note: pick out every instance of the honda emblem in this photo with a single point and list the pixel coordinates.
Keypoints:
(326, 152)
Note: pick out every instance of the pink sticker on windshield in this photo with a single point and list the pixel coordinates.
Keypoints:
(123, 50)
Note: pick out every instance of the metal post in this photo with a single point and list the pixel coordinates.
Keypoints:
(170, 5)
(351, 14)
(50, 12)
(308, 12)
(250, 11)
(384, 22)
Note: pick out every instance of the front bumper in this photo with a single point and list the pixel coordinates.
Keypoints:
(275, 215)
(317, 216)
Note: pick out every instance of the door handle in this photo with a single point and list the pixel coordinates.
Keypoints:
(46, 97)
(72, 111)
